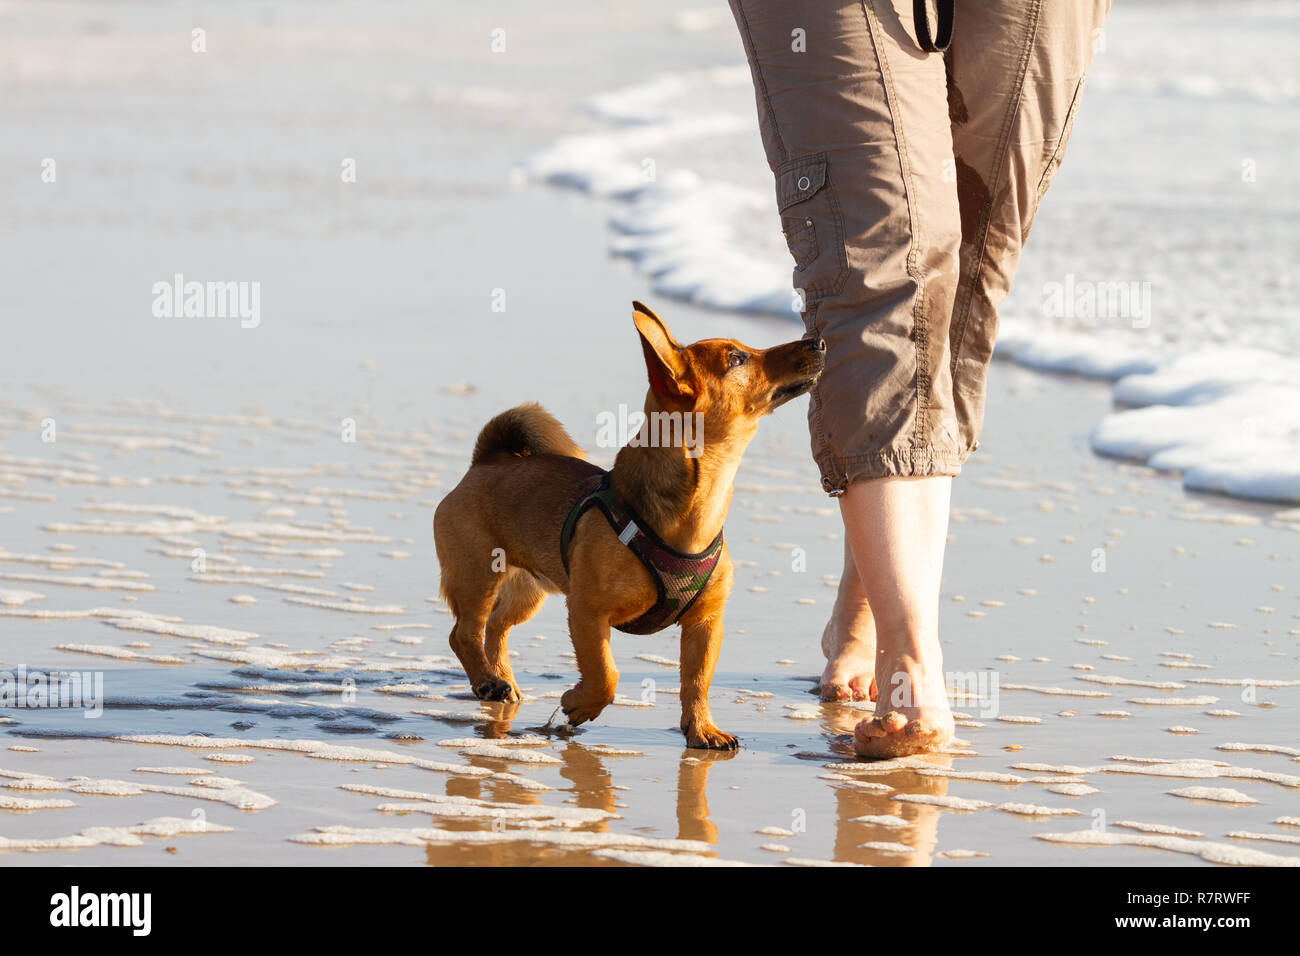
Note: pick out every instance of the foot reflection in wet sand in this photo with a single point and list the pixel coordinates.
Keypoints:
(871, 828)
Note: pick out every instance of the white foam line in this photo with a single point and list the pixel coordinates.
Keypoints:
(1072, 789)
(1129, 682)
(58, 562)
(605, 750)
(873, 767)
(1203, 770)
(244, 572)
(255, 531)
(129, 444)
(34, 782)
(391, 836)
(137, 508)
(806, 862)
(657, 659)
(26, 803)
(453, 716)
(175, 771)
(877, 820)
(1262, 748)
(1291, 838)
(110, 613)
(524, 783)
(1174, 701)
(348, 607)
(530, 740)
(117, 836)
(118, 653)
(15, 598)
(534, 815)
(938, 800)
(1033, 810)
(95, 584)
(198, 632)
(1214, 795)
(238, 797)
(511, 754)
(1056, 691)
(1224, 853)
(1055, 768)
(659, 858)
(311, 748)
(982, 776)
(1157, 828)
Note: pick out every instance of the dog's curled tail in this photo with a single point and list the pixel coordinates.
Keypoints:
(526, 429)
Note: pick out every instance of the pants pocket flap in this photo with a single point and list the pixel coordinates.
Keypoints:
(800, 180)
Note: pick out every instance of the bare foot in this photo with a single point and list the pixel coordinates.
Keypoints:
(849, 642)
(849, 663)
(913, 716)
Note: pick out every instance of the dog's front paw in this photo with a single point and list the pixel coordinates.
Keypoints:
(706, 736)
(496, 689)
(580, 706)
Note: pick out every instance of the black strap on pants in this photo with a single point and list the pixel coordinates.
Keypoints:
(943, 23)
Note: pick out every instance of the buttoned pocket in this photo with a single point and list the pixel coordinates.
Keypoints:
(801, 237)
(810, 221)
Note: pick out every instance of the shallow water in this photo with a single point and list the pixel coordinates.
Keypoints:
(1029, 514)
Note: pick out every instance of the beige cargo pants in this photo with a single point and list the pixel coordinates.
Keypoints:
(907, 182)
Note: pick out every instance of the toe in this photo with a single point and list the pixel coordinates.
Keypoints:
(893, 722)
(871, 727)
(835, 691)
(861, 689)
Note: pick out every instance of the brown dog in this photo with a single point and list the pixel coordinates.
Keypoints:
(499, 532)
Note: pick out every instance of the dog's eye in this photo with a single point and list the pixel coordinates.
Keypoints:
(736, 359)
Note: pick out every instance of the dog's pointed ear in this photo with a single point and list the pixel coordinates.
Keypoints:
(664, 363)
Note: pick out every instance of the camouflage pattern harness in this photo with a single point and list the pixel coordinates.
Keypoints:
(679, 578)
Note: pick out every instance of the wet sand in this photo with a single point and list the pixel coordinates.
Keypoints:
(335, 679)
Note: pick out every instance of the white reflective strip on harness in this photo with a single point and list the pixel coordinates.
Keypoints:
(629, 532)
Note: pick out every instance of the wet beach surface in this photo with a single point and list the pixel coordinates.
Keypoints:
(1099, 624)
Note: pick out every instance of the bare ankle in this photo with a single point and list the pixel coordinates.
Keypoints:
(910, 681)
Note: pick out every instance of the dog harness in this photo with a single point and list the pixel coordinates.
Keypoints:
(679, 578)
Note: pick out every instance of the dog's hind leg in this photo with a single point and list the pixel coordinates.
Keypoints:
(470, 599)
(520, 597)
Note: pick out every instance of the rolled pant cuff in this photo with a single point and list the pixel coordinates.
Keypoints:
(840, 471)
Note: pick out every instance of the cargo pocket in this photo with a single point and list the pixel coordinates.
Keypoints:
(811, 222)
(801, 237)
